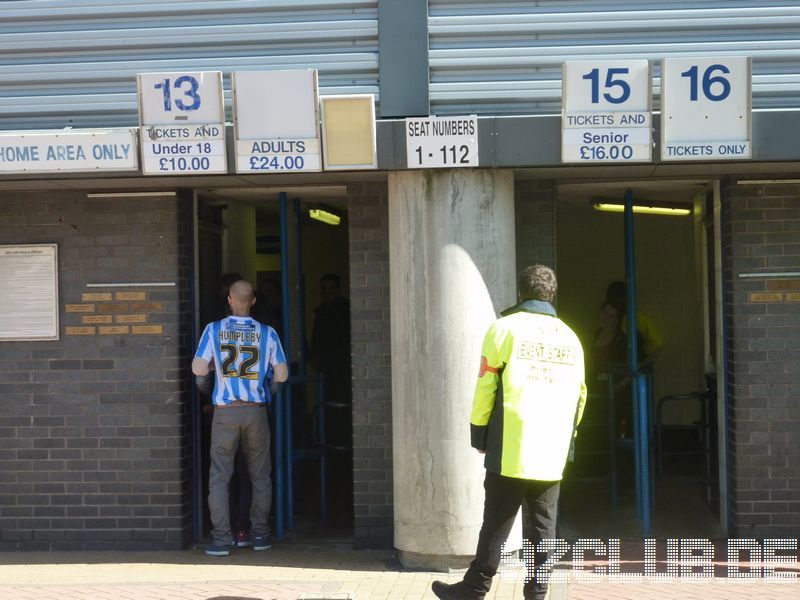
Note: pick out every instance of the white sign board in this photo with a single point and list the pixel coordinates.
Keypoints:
(442, 142)
(705, 108)
(182, 118)
(29, 292)
(74, 151)
(607, 112)
(276, 121)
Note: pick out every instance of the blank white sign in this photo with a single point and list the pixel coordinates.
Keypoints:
(275, 104)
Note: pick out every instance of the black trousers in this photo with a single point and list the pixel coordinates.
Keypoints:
(504, 496)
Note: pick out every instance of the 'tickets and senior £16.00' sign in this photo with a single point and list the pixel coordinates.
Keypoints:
(607, 112)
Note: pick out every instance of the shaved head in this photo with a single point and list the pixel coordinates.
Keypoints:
(241, 298)
(242, 290)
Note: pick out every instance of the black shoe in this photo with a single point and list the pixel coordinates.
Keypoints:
(535, 594)
(455, 591)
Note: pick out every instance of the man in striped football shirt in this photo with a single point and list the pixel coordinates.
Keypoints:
(249, 367)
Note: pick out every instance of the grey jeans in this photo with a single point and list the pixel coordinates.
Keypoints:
(231, 426)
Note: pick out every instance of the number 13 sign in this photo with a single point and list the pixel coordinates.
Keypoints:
(183, 123)
(705, 108)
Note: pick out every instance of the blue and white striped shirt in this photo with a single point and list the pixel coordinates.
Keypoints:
(245, 353)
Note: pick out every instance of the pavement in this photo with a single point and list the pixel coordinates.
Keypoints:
(292, 571)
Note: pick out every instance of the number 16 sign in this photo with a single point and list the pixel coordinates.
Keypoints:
(182, 120)
(705, 108)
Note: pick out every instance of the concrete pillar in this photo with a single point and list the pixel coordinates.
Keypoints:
(452, 268)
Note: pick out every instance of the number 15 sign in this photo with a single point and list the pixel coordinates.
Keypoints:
(705, 108)
(183, 123)
(606, 114)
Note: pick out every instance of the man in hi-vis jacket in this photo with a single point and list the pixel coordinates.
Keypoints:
(528, 400)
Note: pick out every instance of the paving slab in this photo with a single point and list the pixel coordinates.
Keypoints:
(309, 571)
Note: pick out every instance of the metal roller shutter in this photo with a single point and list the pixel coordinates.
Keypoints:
(74, 62)
(505, 57)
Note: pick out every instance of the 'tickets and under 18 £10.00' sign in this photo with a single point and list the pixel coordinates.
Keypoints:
(182, 120)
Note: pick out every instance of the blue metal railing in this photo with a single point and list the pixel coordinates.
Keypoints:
(285, 453)
(284, 399)
(316, 451)
(639, 384)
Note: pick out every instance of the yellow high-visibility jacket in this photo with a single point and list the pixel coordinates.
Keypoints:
(530, 393)
(650, 339)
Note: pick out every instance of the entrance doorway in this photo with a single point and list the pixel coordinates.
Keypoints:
(299, 266)
(674, 295)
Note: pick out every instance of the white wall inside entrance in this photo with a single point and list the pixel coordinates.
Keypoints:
(590, 255)
(240, 239)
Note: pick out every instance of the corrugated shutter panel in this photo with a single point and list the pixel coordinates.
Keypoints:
(505, 57)
(74, 62)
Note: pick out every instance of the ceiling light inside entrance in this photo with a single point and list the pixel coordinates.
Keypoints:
(324, 216)
(645, 207)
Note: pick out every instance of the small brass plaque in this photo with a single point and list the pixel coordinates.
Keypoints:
(136, 296)
(766, 297)
(143, 329)
(97, 319)
(79, 330)
(96, 297)
(131, 319)
(113, 307)
(147, 306)
(793, 297)
(114, 330)
(775, 285)
(79, 308)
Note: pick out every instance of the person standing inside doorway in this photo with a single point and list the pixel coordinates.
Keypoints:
(330, 339)
(528, 400)
(330, 355)
(648, 334)
(249, 366)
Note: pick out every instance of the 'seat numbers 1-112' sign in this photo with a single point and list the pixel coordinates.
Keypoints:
(442, 142)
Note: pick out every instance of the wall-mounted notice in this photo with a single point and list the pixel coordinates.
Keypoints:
(705, 108)
(73, 151)
(182, 120)
(276, 121)
(29, 293)
(442, 142)
(607, 112)
(348, 132)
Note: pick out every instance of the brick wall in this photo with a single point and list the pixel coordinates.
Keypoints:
(761, 233)
(94, 446)
(372, 377)
(535, 208)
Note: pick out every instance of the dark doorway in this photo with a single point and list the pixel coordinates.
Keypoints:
(291, 258)
(673, 273)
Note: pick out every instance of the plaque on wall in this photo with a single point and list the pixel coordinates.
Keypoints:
(29, 292)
